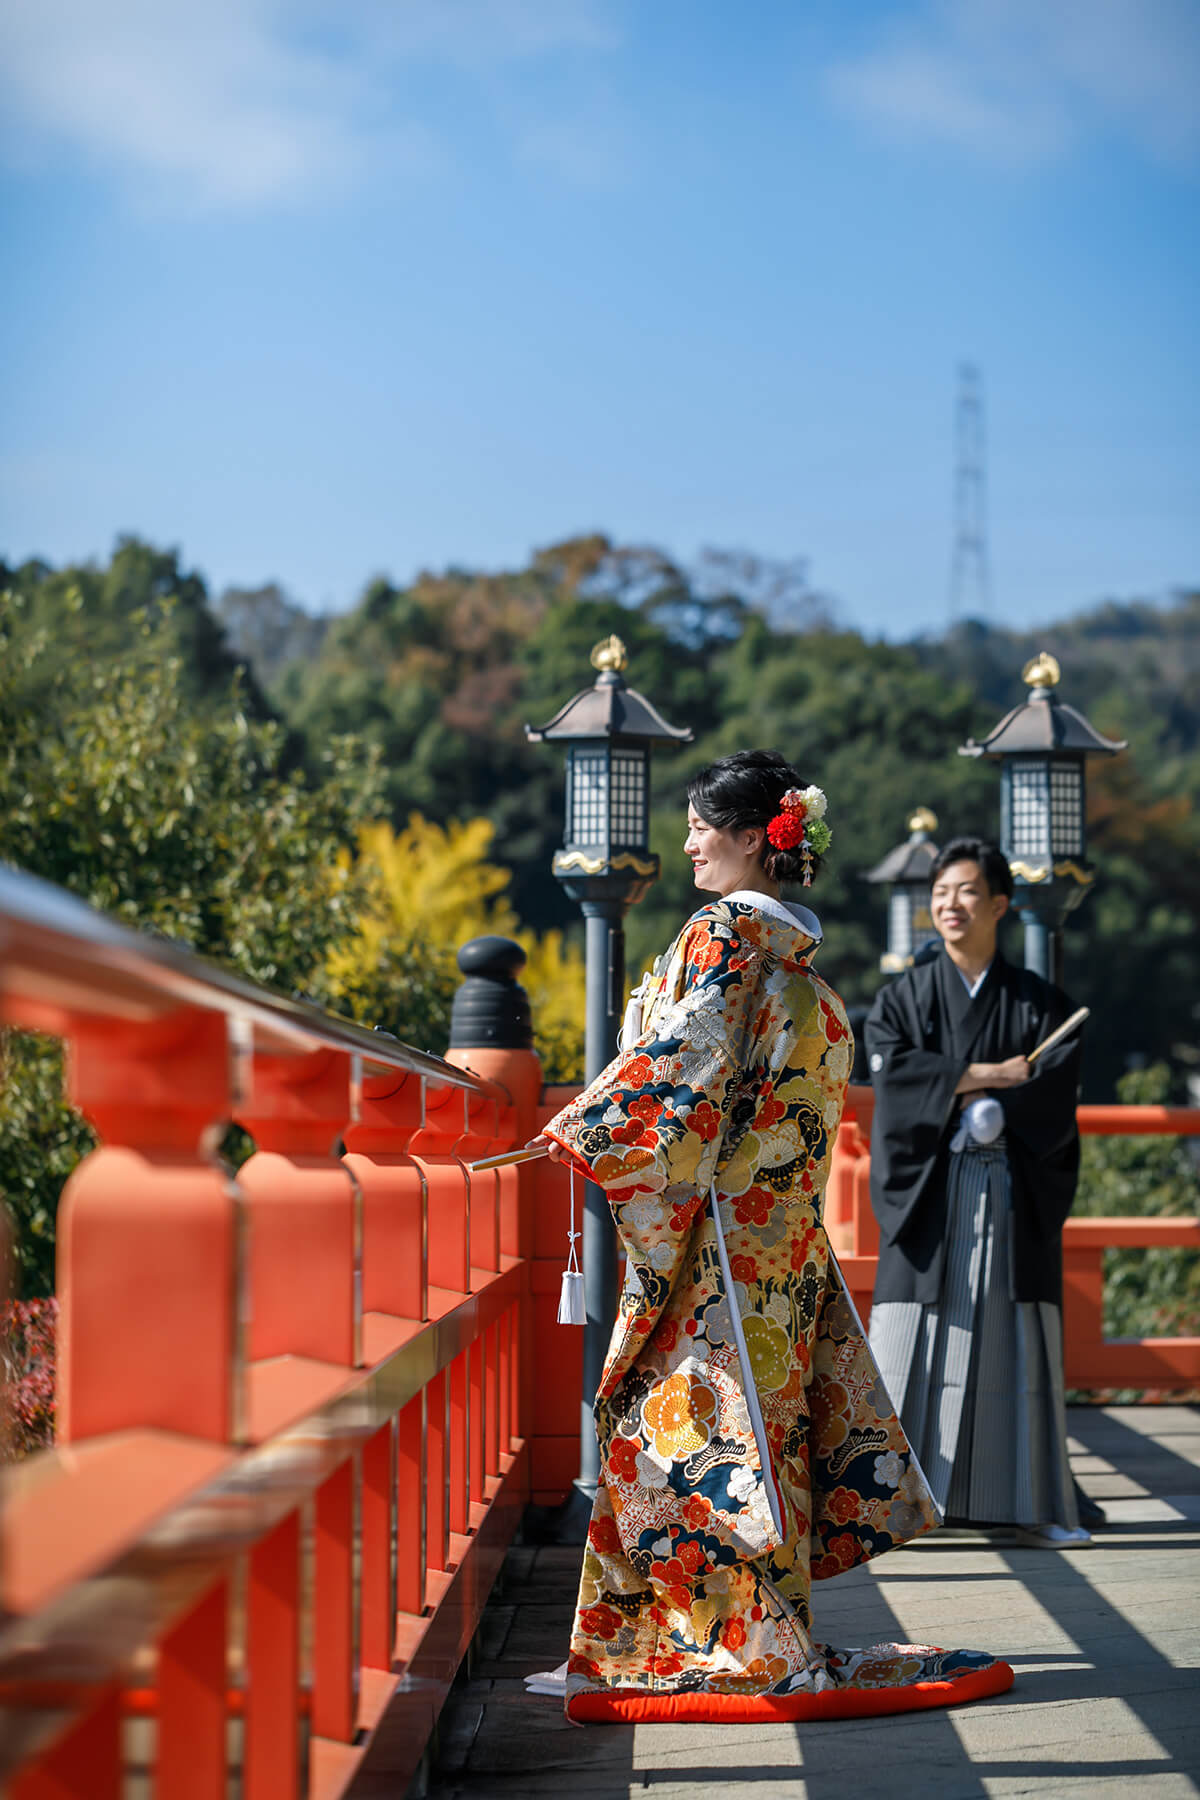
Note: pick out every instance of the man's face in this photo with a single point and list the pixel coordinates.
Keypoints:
(965, 914)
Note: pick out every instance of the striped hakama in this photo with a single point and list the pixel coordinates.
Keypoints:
(977, 1376)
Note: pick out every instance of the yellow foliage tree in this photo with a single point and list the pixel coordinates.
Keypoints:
(554, 979)
(431, 888)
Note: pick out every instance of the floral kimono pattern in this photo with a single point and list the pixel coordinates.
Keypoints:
(748, 1446)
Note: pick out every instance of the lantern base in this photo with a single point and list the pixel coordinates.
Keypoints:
(624, 878)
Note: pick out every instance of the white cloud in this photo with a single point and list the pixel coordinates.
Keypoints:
(246, 103)
(1022, 80)
(471, 32)
(589, 149)
(917, 92)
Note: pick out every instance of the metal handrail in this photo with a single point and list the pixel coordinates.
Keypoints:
(53, 944)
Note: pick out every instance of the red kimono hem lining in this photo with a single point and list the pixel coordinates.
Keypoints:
(629, 1706)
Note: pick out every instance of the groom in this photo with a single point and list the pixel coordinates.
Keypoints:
(974, 1161)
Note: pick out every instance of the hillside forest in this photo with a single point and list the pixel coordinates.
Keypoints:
(331, 805)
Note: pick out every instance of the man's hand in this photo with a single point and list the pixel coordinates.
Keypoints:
(1011, 1073)
(980, 1076)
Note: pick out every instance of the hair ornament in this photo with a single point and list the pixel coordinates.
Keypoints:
(800, 825)
(786, 830)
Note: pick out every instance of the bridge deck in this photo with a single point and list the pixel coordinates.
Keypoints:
(1105, 1641)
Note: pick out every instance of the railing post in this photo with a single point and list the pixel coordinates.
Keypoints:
(304, 1208)
(1082, 1310)
(491, 1033)
(305, 1261)
(271, 1756)
(149, 1250)
(395, 1203)
(480, 1137)
(852, 1144)
(432, 1148)
(85, 1764)
(191, 1702)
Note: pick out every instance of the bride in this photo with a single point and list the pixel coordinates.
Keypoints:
(748, 1447)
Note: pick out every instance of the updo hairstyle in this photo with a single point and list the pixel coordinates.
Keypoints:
(745, 789)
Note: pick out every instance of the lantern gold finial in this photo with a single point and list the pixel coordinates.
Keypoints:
(1042, 672)
(610, 654)
(924, 819)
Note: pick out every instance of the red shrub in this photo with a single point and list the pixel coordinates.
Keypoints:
(27, 1355)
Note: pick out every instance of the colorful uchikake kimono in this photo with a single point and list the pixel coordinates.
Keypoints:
(748, 1446)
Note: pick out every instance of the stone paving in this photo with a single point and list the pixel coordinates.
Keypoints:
(1105, 1641)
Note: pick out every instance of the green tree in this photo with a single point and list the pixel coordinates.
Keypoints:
(176, 818)
(1147, 1293)
(442, 675)
(169, 816)
(88, 612)
(269, 631)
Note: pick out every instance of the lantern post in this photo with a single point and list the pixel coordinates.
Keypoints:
(907, 870)
(1042, 748)
(606, 865)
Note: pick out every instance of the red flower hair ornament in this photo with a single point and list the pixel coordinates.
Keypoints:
(800, 824)
(786, 830)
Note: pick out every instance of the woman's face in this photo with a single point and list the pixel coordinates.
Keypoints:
(723, 861)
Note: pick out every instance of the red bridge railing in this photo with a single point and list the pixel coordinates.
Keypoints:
(294, 1405)
(1091, 1360)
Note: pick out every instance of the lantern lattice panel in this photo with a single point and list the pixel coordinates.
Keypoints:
(900, 923)
(1066, 809)
(1028, 823)
(608, 798)
(628, 798)
(588, 823)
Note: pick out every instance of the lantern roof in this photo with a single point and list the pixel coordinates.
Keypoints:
(1043, 723)
(610, 708)
(912, 860)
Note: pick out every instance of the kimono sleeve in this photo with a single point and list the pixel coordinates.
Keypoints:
(1040, 1121)
(653, 1121)
(914, 1096)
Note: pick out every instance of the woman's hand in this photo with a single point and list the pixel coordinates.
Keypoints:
(551, 1146)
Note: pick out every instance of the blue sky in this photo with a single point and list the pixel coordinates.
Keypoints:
(315, 289)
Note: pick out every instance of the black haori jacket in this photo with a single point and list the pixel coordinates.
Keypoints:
(923, 1030)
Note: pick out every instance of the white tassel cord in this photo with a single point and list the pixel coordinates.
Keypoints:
(571, 1309)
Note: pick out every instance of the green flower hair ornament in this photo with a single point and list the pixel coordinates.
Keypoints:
(819, 836)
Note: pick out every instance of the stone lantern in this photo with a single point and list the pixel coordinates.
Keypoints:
(1042, 747)
(605, 864)
(907, 871)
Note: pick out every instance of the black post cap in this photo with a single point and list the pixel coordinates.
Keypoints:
(491, 1008)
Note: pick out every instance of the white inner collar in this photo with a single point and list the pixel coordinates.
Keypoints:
(789, 912)
(973, 987)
